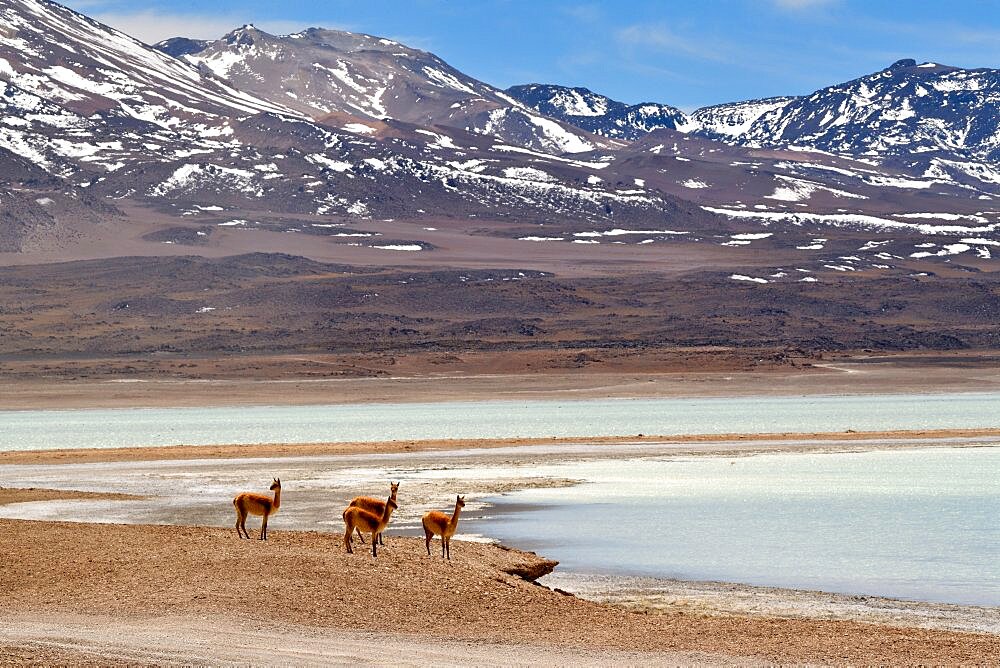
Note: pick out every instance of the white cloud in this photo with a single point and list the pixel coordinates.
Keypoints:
(151, 26)
(584, 12)
(662, 38)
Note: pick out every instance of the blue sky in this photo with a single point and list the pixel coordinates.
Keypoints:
(689, 53)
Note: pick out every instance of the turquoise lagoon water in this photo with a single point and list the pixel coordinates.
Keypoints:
(908, 523)
(919, 524)
(24, 430)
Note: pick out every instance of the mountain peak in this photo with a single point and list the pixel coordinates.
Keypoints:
(181, 46)
(597, 113)
(245, 35)
(903, 63)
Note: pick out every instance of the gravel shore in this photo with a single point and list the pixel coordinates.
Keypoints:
(126, 579)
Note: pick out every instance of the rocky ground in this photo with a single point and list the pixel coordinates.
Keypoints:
(267, 303)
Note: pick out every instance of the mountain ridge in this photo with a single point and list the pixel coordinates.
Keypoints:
(107, 116)
(319, 72)
(897, 111)
(872, 114)
(112, 118)
(599, 114)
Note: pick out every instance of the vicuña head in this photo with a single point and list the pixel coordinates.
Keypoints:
(249, 503)
(437, 523)
(374, 506)
(357, 518)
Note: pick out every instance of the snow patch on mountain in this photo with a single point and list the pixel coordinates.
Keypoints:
(798, 190)
(192, 178)
(559, 138)
(447, 80)
(848, 220)
(735, 120)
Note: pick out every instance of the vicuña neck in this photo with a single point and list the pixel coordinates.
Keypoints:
(277, 498)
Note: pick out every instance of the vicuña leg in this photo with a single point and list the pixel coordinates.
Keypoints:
(241, 524)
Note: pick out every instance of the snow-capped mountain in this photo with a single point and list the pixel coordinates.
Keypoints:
(927, 116)
(599, 114)
(902, 110)
(107, 116)
(80, 96)
(326, 74)
(308, 133)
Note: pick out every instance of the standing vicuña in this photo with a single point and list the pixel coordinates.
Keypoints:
(437, 523)
(362, 520)
(249, 503)
(374, 506)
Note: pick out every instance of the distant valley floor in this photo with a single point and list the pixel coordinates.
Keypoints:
(312, 378)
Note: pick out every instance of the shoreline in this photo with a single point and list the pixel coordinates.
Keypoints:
(654, 595)
(644, 594)
(721, 444)
(489, 378)
(572, 396)
(483, 455)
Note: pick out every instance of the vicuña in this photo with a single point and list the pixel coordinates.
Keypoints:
(249, 503)
(437, 523)
(359, 519)
(374, 506)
